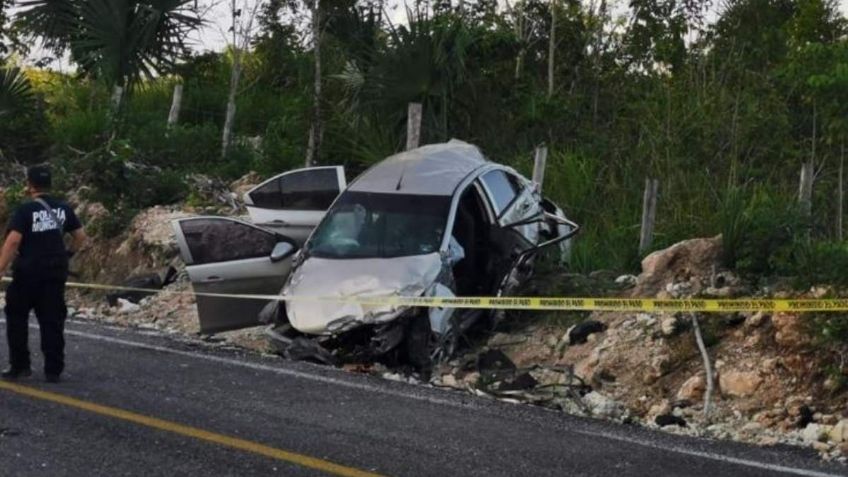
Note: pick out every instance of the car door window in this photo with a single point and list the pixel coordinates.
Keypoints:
(308, 189)
(217, 240)
(503, 189)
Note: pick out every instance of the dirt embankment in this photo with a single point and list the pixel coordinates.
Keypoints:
(147, 247)
(773, 383)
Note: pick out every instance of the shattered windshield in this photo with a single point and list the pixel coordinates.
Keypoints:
(372, 225)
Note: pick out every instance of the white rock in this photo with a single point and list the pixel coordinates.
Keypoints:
(646, 319)
(815, 433)
(603, 406)
(756, 320)
(662, 407)
(693, 388)
(668, 325)
(628, 280)
(739, 383)
(126, 306)
(839, 432)
(821, 446)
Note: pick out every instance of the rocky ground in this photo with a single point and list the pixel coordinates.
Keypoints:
(772, 383)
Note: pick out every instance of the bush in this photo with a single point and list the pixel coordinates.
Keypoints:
(84, 130)
(112, 224)
(238, 162)
(14, 196)
(124, 185)
(760, 234)
(282, 148)
(816, 263)
(186, 148)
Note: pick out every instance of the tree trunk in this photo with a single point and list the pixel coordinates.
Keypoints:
(235, 76)
(708, 369)
(313, 149)
(596, 60)
(840, 195)
(522, 48)
(519, 63)
(176, 103)
(552, 50)
(805, 187)
(117, 98)
(115, 111)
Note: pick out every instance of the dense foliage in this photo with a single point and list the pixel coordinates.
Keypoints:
(722, 109)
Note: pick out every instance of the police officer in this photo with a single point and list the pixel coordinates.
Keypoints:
(35, 243)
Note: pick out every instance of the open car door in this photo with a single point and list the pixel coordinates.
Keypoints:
(294, 203)
(224, 255)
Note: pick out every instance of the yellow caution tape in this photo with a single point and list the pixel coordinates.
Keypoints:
(706, 305)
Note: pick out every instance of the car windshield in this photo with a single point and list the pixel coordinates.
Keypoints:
(372, 225)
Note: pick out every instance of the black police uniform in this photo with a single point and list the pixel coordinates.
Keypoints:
(39, 275)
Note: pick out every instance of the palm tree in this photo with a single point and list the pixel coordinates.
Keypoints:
(423, 61)
(117, 41)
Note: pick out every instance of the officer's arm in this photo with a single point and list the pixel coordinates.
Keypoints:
(10, 249)
(78, 239)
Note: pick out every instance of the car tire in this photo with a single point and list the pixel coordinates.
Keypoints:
(418, 343)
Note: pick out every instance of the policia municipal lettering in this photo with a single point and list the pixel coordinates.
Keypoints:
(35, 242)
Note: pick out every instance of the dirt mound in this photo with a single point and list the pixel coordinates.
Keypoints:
(690, 262)
(147, 245)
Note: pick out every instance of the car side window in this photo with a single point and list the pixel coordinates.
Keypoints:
(216, 240)
(313, 189)
(503, 188)
(268, 196)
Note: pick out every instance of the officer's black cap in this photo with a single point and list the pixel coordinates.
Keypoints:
(40, 177)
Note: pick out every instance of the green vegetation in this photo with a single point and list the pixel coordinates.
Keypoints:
(722, 112)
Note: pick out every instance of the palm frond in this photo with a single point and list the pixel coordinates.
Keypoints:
(15, 91)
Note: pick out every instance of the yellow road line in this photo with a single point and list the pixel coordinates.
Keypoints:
(188, 431)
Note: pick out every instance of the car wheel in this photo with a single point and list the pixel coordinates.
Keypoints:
(418, 342)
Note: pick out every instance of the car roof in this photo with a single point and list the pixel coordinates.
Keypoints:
(435, 169)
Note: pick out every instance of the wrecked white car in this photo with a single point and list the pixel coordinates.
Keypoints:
(440, 220)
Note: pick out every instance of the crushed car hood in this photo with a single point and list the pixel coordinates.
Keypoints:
(368, 277)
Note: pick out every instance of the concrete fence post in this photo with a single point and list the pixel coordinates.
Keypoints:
(649, 214)
(176, 103)
(539, 162)
(413, 126)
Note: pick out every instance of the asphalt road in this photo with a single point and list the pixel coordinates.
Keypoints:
(315, 421)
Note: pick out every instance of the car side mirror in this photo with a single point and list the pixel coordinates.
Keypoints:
(282, 251)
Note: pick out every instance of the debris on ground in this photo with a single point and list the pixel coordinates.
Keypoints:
(579, 333)
(149, 281)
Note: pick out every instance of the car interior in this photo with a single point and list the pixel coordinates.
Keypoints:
(471, 229)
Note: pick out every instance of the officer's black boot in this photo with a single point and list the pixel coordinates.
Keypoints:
(12, 373)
